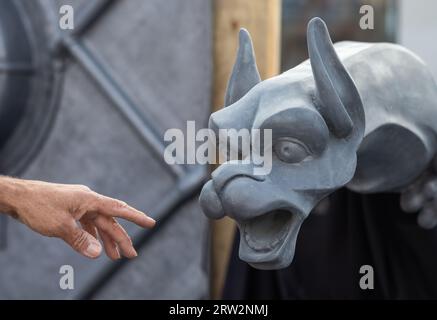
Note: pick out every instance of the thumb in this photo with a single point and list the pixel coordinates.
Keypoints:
(83, 242)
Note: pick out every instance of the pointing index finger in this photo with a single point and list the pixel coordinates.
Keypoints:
(116, 208)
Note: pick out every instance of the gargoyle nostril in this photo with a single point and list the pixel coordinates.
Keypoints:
(210, 202)
(223, 177)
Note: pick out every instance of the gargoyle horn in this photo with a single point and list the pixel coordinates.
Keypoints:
(245, 73)
(338, 99)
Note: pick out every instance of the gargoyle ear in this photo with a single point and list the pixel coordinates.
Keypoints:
(338, 99)
(245, 74)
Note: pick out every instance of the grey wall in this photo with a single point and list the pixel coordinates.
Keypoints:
(160, 52)
(418, 29)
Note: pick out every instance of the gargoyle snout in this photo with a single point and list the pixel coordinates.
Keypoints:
(210, 196)
(210, 202)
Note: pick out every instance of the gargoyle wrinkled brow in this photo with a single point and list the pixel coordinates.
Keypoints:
(301, 124)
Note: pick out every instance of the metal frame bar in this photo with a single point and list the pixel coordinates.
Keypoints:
(164, 211)
(107, 83)
(16, 67)
(120, 100)
(89, 15)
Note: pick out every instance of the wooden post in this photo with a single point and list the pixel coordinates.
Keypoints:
(263, 20)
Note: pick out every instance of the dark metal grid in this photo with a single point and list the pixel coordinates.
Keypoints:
(189, 181)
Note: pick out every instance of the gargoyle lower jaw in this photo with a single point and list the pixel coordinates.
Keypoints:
(267, 242)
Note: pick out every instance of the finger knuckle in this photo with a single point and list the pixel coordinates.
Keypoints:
(115, 225)
(93, 199)
(126, 244)
(79, 240)
(84, 187)
(81, 188)
(118, 204)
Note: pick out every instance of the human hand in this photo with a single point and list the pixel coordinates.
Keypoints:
(75, 214)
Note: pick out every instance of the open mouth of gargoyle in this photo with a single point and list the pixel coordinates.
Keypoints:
(267, 241)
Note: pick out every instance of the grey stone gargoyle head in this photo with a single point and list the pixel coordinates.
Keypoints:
(317, 121)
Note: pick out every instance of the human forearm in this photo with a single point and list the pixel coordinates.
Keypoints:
(73, 213)
(10, 191)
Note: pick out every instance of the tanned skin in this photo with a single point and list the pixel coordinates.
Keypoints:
(73, 213)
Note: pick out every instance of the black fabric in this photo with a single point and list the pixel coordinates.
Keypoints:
(356, 230)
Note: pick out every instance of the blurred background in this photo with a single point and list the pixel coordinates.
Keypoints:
(91, 105)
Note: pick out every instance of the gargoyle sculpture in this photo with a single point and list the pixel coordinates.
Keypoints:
(360, 115)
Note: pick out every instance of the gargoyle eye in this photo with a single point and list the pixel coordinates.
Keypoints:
(291, 151)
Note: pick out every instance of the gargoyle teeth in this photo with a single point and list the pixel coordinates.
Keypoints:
(268, 231)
